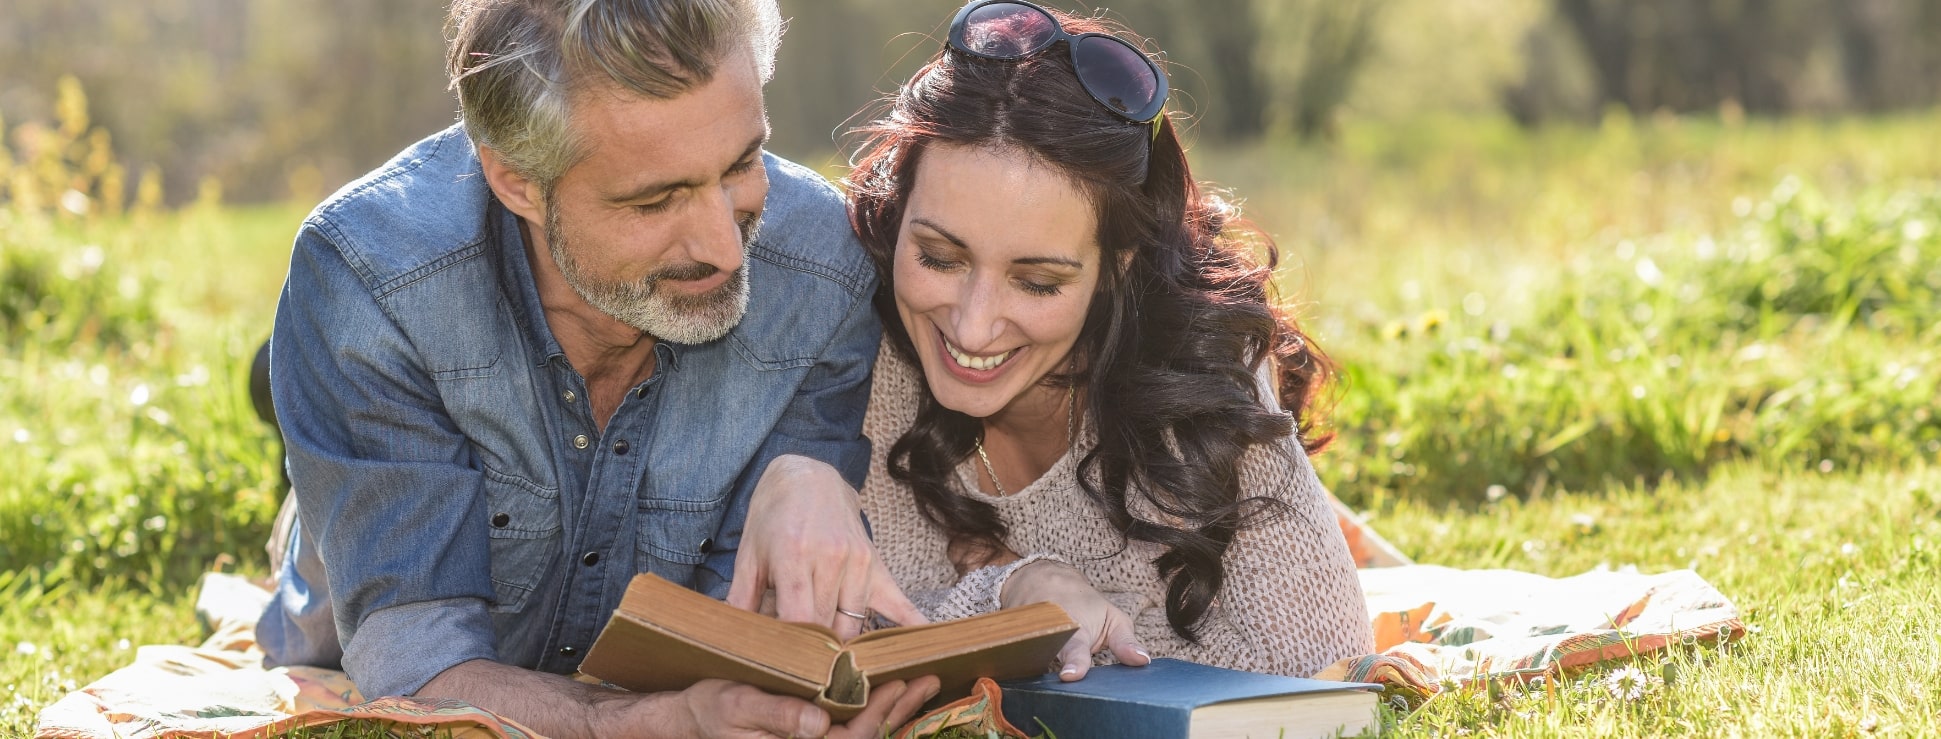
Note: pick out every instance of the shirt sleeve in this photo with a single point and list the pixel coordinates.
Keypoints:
(824, 422)
(382, 476)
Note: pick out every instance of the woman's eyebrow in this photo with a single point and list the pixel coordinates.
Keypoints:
(1072, 263)
(953, 239)
(941, 231)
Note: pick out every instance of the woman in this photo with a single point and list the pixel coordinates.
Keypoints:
(1074, 367)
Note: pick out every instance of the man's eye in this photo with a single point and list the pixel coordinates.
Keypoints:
(744, 166)
(654, 207)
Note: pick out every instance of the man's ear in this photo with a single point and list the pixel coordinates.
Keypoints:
(520, 195)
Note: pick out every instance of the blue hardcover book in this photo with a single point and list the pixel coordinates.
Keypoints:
(1170, 699)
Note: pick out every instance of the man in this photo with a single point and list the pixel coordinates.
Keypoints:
(528, 359)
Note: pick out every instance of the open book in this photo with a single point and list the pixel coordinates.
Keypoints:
(666, 637)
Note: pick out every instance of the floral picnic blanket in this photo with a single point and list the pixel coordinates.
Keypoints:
(1434, 627)
(220, 689)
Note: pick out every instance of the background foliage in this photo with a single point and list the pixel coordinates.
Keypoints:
(281, 98)
(1651, 283)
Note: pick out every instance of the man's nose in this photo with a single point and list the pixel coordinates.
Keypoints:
(714, 233)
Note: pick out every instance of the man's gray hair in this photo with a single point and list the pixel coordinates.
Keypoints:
(516, 63)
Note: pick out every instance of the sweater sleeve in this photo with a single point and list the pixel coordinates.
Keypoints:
(977, 592)
(1292, 603)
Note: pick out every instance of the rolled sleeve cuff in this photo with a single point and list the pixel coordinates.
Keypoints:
(399, 649)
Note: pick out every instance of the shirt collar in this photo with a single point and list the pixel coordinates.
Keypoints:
(516, 282)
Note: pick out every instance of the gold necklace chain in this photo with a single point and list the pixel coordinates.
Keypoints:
(1071, 439)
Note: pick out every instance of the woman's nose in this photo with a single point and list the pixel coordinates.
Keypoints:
(980, 315)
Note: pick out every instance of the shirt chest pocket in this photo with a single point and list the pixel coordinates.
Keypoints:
(676, 535)
(523, 523)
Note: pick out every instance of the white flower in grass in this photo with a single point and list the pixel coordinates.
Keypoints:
(1630, 683)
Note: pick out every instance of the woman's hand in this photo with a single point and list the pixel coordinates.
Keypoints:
(1101, 625)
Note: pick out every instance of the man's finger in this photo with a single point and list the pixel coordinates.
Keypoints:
(795, 597)
(869, 723)
(748, 584)
(744, 707)
(888, 600)
(852, 595)
(890, 705)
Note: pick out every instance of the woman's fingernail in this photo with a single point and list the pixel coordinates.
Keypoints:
(1142, 652)
(1069, 671)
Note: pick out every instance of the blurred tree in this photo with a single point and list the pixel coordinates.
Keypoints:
(1889, 58)
(242, 90)
(279, 97)
(1765, 56)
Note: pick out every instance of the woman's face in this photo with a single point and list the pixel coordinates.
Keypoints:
(995, 266)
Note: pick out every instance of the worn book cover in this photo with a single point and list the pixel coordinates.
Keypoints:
(1171, 699)
(666, 637)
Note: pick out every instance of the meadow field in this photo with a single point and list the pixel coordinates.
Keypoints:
(1661, 342)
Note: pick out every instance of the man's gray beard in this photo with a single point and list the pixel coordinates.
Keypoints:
(682, 319)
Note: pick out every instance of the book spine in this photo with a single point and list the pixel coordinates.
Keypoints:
(1073, 716)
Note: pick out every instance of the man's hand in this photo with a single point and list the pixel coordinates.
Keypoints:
(805, 538)
(717, 708)
(556, 706)
(1101, 625)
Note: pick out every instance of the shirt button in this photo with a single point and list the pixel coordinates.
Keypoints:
(590, 559)
(707, 545)
(580, 442)
(570, 397)
(568, 651)
(499, 521)
(620, 447)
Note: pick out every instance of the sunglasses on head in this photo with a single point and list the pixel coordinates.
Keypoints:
(1117, 74)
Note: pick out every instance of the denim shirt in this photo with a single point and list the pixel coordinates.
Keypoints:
(455, 498)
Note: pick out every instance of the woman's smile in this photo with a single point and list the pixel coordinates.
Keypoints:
(975, 368)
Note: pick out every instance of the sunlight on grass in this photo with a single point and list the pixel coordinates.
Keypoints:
(1663, 344)
(1834, 573)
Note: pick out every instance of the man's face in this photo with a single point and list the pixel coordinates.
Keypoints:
(653, 226)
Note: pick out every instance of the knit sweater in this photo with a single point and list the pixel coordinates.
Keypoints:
(1292, 603)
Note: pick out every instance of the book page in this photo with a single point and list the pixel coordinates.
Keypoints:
(1012, 643)
(802, 652)
(1300, 716)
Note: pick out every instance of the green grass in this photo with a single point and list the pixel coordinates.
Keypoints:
(1834, 572)
(1667, 343)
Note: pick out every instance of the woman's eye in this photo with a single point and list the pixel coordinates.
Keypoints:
(930, 262)
(1038, 288)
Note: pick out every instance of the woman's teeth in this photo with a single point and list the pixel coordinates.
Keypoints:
(974, 362)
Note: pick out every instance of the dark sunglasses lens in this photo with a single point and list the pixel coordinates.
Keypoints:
(1118, 75)
(1008, 31)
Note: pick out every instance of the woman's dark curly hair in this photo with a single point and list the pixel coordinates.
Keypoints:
(1181, 319)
